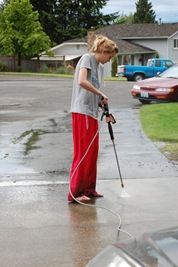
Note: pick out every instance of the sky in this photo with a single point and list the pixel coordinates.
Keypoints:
(167, 10)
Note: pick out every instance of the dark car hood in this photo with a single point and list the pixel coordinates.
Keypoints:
(155, 249)
(158, 82)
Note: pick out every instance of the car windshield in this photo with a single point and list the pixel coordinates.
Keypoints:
(171, 72)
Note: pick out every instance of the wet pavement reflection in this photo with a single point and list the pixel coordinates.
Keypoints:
(38, 226)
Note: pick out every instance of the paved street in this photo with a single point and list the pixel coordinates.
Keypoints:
(38, 227)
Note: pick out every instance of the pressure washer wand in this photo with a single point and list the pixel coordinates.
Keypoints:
(106, 112)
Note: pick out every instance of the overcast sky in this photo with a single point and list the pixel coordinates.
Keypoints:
(167, 10)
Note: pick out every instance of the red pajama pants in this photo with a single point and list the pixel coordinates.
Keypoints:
(83, 172)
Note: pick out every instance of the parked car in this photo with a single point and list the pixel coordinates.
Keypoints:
(137, 73)
(163, 88)
(156, 249)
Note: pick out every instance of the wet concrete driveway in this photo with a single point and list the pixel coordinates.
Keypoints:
(38, 227)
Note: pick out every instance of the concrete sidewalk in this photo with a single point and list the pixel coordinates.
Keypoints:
(139, 158)
(39, 228)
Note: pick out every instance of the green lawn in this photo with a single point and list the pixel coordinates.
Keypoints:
(160, 123)
(38, 74)
(59, 75)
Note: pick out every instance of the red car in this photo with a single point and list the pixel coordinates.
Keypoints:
(163, 88)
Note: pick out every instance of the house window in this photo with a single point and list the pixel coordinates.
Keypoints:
(175, 43)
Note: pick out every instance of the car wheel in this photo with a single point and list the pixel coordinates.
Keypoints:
(138, 77)
(144, 101)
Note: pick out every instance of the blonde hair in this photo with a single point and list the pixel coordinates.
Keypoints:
(104, 44)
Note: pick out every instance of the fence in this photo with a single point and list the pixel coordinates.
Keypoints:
(28, 65)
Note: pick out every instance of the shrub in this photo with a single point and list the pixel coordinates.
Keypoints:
(65, 70)
(3, 66)
(44, 69)
(114, 66)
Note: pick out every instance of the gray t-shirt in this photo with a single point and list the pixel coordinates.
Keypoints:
(84, 101)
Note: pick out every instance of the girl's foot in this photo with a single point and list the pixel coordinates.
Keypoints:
(95, 194)
(83, 198)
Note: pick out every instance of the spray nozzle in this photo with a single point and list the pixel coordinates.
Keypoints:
(106, 113)
(105, 109)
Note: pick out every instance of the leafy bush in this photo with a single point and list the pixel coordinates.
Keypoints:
(64, 70)
(114, 66)
(3, 66)
(44, 69)
(60, 70)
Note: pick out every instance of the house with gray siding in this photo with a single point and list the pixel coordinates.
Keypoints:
(137, 43)
(148, 40)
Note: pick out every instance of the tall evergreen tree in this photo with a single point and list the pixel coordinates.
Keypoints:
(47, 16)
(68, 19)
(144, 12)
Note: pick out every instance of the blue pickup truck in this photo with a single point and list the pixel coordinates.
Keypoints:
(137, 73)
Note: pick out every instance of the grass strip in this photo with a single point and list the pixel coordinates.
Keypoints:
(160, 124)
(160, 121)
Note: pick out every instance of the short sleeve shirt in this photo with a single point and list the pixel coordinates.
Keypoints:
(84, 101)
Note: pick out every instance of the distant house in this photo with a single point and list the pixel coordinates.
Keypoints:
(137, 43)
(66, 53)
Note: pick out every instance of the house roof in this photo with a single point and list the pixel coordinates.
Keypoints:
(127, 47)
(124, 46)
(123, 34)
(129, 31)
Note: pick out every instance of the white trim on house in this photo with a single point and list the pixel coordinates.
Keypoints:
(46, 58)
(172, 35)
(67, 51)
(57, 58)
(70, 57)
(68, 43)
(133, 38)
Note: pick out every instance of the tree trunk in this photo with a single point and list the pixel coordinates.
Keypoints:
(19, 62)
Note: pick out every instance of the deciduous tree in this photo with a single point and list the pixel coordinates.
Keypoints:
(123, 19)
(21, 33)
